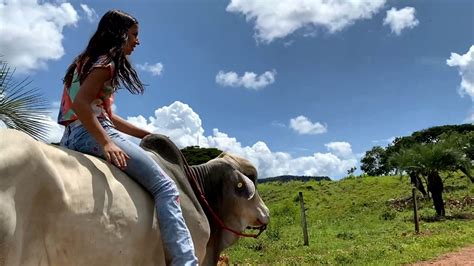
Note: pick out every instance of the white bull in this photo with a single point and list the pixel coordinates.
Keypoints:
(61, 207)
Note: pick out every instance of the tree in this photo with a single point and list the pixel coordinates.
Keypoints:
(351, 171)
(196, 155)
(430, 159)
(373, 162)
(22, 108)
(433, 134)
(416, 181)
(426, 136)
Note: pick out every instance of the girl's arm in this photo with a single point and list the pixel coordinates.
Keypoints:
(126, 127)
(82, 107)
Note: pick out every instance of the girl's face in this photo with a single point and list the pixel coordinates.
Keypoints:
(132, 40)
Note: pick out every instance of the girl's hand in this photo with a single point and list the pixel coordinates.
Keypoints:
(115, 155)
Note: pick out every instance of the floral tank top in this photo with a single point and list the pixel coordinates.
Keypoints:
(101, 105)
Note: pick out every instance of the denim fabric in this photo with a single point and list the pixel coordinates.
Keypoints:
(142, 168)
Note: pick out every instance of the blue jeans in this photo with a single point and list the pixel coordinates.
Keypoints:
(143, 169)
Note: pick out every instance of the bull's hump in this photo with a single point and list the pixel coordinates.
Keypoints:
(17, 149)
(10, 136)
(164, 147)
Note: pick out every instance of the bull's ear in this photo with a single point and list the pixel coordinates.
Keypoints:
(245, 183)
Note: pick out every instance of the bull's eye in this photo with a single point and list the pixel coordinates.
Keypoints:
(239, 185)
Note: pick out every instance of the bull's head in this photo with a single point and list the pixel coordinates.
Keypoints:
(242, 207)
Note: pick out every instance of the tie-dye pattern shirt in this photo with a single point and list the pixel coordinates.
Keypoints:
(101, 105)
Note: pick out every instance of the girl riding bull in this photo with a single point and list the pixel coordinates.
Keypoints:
(91, 126)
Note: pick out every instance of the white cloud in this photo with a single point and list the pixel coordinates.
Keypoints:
(56, 130)
(470, 118)
(399, 20)
(249, 80)
(465, 64)
(278, 18)
(303, 125)
(178, 121)
(90, 13)
(341, 149)
(154, 69)
(31, 32)
(184, 127)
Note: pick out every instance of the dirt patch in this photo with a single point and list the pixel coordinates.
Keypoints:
(223, 260)
(406, 203)
(464, 256)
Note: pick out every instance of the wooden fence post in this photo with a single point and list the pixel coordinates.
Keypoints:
(415, 211)
(303, 220)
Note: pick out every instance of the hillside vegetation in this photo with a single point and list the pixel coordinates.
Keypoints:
(360, 221)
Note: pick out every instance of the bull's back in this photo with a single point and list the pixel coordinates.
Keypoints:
(60, 207)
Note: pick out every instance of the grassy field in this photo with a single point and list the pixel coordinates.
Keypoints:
(359, 221)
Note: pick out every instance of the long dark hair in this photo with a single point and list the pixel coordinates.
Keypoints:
(109, 40)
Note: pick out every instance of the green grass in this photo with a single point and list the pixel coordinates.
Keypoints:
(356, 221)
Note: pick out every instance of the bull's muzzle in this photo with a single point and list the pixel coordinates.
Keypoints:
(260, 229)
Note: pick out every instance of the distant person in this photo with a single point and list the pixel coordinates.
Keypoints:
(91, 126)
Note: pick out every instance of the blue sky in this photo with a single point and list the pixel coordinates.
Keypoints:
(296, 86)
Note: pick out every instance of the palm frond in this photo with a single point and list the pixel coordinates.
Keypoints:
(447, 154)
(22, 108)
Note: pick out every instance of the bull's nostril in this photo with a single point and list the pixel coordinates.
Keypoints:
(264, 219)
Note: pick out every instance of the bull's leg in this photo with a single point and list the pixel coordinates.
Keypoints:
(7, 228)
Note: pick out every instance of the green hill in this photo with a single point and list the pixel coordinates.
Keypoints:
(289, 178)
(359, 221)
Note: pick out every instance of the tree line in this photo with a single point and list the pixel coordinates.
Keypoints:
(424, 156)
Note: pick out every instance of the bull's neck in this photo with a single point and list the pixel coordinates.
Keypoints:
(208, 176)
(203, 175)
